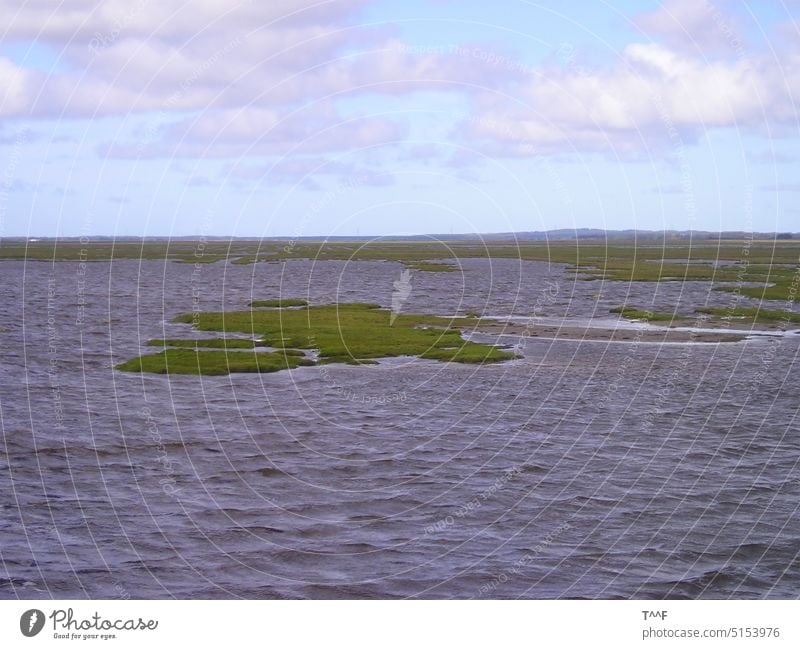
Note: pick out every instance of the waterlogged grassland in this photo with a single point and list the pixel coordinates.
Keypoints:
(350, 333)
(775, 287)
(353, 332)
(204, 343)
(212, 363)
(760, 269)
(633, 313)
(718, 315)
(752, 314)
(179, 250)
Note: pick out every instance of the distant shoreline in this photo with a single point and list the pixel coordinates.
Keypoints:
(543, 235)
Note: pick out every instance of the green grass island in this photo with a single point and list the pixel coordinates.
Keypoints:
(352, 333)
(714, 315)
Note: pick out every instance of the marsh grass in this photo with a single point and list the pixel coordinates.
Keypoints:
(744, 314)
(751, 314)
(780, 291)
(208, 343)
(352, 333)
(633, 313)
(212, 363)
(180, 250)
(727, 263)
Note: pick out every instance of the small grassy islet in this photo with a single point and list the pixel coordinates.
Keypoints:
(743, 314)
(352, 333)
(632, 313)
(752, 314)
(212, 363)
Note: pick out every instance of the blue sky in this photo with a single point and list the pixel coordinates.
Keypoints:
(301, 118)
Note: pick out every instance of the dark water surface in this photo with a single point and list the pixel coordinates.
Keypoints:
(585, 469)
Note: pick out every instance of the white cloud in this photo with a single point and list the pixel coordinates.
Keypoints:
(255, 131)
(80, 21)
(694, 26)
(15, 87)
(653, 97)
(120, 57)
(240, 72)
(139, 55)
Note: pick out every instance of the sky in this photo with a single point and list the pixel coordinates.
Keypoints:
(395, 117)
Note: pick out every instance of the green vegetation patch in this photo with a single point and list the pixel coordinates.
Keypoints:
(752, 314)
(468, 352)
(212, 343)
(782, 289)
(760, 269)
(744, 314)
(279, 303)
(181, 250)
(212, 363)
(770, 263)
(633, 313)
(353, 333)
